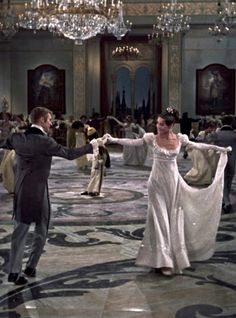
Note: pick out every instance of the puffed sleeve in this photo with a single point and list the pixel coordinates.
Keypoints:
(148, 138)
(184, 140)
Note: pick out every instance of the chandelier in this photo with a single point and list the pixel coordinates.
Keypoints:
(228, 13)
(78, 20)
(226, 19)
(170, 20)
(8, 20)
(125, 52)
(219, 30)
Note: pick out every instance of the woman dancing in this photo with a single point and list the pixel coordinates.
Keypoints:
(182, 221)
(133, 156)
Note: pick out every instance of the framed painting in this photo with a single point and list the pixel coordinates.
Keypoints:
(46, 87)
(215, 90)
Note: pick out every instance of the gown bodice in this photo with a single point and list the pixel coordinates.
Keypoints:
(164, 160)
(160, 153)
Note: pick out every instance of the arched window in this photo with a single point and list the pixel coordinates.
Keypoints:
(123, 91)
(142, 92)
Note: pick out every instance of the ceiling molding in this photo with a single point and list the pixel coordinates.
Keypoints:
(150, 9)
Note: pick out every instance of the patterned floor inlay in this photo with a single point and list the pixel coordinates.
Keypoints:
(88, 266)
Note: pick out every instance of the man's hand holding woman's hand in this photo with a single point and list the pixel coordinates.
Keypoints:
(103, 140)
(109, 139)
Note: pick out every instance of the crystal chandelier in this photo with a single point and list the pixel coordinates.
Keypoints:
(35, 15)
(228, 13)
(125, 52)
(171, 20)
(78, 20)
(8, 20)
(116, 24)
(223, 23)
(219, 30)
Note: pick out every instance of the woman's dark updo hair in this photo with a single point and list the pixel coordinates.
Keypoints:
(170, 115)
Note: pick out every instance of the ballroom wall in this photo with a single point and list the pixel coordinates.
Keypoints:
(180, 60)
(199, 49)
(25, 52)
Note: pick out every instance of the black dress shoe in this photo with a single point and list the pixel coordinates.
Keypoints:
(17, 279)
(29, 271)
(155, 270)
(84, 193)
(94, 194)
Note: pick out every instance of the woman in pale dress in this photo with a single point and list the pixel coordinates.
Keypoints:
(81, 140)
(132, 156)
(7, 169)
(204, 162)
(182, 221)
(7, 127)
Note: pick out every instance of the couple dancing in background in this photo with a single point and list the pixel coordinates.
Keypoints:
(132, 156)
(181, 221)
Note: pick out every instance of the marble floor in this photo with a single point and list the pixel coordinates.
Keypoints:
(87, 269)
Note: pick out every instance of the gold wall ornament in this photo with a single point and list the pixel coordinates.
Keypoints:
(200, 8)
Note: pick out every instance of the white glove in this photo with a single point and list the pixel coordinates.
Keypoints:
(110, 139)
(101, 142)
(225, 150)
